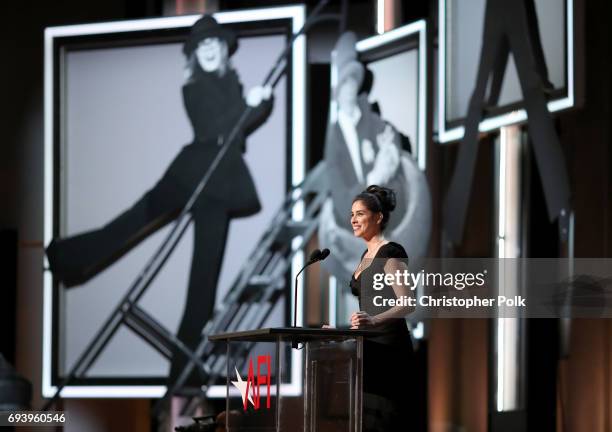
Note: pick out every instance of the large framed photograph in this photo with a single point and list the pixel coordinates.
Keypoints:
(398, 62)
(391, 96)
(460, 40)
(115, 120)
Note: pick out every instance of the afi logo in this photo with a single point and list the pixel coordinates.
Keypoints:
(253, 382)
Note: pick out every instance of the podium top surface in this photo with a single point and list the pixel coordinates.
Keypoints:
(292, 334)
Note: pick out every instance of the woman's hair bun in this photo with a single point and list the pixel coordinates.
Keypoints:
(385, 195)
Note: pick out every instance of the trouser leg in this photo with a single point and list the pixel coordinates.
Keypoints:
(547, 148)
(210, 233)
(455, 206)
(73, 260)
(533, 29)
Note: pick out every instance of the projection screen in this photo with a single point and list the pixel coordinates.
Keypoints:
(460, 39)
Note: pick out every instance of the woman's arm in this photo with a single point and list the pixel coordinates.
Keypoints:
(261, 101)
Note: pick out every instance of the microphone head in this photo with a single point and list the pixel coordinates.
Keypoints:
(315, 255)
(324, 254)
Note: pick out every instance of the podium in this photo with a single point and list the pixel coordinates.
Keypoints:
(325, 376)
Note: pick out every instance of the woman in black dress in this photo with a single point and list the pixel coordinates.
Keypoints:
(389, 401)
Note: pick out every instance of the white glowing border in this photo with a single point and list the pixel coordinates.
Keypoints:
(298, 94)
(420, 28)
(518, 116)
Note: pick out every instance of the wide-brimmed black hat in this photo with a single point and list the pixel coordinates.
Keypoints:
(207, 27)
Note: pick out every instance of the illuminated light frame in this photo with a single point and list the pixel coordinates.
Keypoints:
(519, 116)
(380, 16)
(297, 14)
(420, 28)
(507, 330)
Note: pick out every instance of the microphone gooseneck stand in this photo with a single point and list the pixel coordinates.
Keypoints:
(315, 256)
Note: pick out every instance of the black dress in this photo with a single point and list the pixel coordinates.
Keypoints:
(389, 359)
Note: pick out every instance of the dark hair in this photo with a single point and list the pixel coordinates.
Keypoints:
(378, 199)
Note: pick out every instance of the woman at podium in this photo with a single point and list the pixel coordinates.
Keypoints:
(390, 402)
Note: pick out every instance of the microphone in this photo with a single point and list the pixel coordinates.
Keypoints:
(315, 256)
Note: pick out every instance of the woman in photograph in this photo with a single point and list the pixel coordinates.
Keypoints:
(390, 398)
(212, 95)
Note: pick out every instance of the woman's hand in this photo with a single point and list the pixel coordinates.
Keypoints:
(362, 320)
(386, 137)
(387, 159)
(258, 94)
(327, 326)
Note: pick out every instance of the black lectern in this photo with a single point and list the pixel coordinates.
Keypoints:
(326, 390)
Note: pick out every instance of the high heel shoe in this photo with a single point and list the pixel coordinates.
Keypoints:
(65, 269)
